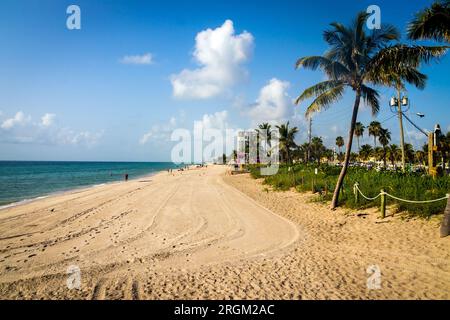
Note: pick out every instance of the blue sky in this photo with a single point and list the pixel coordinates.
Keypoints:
(115, 89)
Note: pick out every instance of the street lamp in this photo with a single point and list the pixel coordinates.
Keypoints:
(394, 102)
(399, 102)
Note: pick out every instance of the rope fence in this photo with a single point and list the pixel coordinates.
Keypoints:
(383, 195)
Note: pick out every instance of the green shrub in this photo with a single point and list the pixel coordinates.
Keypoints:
(410, 186)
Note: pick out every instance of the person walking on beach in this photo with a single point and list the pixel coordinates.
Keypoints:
(126, 176)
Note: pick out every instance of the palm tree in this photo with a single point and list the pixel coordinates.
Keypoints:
(264, 134)
(374, 130)
(393, 153)
(378, 153)
(345, 65)
(340, 143)
(421, 157)
(356, 60)
(365, 152)
(409, 152)
(318, 149)
(304, 150)
(286, 140)
(432, 23)
(359, 131)
(384, 137)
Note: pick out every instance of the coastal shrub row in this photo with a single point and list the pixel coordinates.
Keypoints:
(411, 186)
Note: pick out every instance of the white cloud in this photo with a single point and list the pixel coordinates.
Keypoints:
(21, 129)
(218, 120)
(144, 59)
(48, 119)
(273, 103)
(160, 132)
(18, 119)
(220, 54)
(66, 136)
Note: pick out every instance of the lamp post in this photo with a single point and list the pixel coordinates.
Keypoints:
(398, 102)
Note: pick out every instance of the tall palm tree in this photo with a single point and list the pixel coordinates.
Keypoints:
(384, 137)
(353, 61)
(340, 143)
(286, 140)
(359, 131)
(432, 23)
(345, 65)
(374, 131)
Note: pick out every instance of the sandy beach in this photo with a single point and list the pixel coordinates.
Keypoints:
(201, 234)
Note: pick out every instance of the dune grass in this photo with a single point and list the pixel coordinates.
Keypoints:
(411, 186)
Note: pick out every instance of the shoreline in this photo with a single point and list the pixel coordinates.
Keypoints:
(73, 190)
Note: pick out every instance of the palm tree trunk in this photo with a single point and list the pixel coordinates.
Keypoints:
(384, 156)
(335, 201)
(445, 227)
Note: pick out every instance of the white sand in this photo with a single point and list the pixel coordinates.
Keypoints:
(195, 235)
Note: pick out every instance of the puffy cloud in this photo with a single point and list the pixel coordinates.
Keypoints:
(48, 119)
(218, 120)
(220, 54)
(18, 119)
(21, 129)
(144, 59)
(273, 103)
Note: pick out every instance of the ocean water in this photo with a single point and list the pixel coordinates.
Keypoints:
(24, 180)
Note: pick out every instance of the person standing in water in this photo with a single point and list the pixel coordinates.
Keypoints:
(126, 176)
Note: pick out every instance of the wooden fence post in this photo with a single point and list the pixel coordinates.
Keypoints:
(383, 204)
(356, 193)
(445, 227)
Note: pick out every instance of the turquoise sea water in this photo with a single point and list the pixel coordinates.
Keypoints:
(23, 180)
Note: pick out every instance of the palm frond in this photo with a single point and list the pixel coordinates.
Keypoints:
(318, 89)
(312, 62)
(432, 23)
(394, 64)
(371, 98)
(323, 101)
